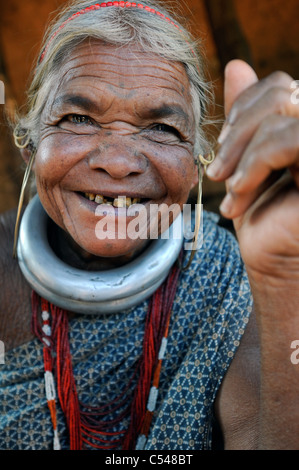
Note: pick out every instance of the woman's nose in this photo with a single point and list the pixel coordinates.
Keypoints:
(118, 159)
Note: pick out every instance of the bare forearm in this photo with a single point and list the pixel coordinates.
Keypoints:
(277, 308)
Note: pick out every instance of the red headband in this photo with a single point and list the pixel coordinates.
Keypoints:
(97, 6)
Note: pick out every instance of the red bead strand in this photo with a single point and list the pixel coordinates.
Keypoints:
(84, 423)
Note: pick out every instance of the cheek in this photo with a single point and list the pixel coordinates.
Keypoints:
(48, 165)
(177, 171)
(55, 158)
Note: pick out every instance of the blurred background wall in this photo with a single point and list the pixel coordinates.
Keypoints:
(262, 32)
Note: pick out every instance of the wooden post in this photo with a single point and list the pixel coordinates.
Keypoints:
(11, 167)
(227, 32)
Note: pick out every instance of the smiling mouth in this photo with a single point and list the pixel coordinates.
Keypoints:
(120, 201)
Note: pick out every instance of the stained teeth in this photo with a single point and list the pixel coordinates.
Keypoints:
(121, 201)
(99, 199)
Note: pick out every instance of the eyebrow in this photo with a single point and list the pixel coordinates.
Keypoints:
(86, 104)
(166, 110)
(78, 101)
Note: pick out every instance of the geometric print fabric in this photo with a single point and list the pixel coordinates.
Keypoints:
(210, 313)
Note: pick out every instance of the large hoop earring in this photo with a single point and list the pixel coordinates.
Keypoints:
(202, 163)
(207, 159)
(21, 200)
(21, 141)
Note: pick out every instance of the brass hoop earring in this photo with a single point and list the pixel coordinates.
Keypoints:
(206, 160)
(21, 200)
(202, 163)
(19, 139)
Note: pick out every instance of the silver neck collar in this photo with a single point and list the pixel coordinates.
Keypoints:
(92, 292)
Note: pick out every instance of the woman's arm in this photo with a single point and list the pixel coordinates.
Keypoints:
(259, 159)
(15, 306)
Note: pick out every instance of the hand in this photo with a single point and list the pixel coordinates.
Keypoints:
(259, 159)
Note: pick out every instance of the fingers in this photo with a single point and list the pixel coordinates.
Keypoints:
(245, 118)
(254, 93)
(260, 138)
(238, 76)
(274, 148)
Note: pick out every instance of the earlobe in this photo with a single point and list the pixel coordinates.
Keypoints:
(26, 154)
(25, 145)
(195, 177)
(200, 167)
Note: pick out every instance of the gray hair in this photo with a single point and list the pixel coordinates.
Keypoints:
(116, 26)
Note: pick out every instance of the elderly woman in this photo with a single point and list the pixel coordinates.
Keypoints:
(134, 344)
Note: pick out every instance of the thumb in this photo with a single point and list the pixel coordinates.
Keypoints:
(238, 76)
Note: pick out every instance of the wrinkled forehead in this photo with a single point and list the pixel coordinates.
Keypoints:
(124, 70)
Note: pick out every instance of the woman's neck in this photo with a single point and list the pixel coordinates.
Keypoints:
(71, 253)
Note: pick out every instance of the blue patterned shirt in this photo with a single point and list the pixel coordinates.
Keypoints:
(210, 313)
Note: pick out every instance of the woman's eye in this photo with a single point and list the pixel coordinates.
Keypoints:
(166, 129)
(78, 124)
(78, 119)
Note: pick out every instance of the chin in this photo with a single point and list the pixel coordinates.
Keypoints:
(114, 248)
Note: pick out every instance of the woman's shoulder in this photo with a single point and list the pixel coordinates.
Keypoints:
(8, 264)
(217, 248)
(217, 278)
(7, 224)
(14, 290)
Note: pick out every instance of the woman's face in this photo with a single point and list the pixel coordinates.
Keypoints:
(118, 123)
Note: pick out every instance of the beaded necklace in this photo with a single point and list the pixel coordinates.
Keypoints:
(85, 424)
